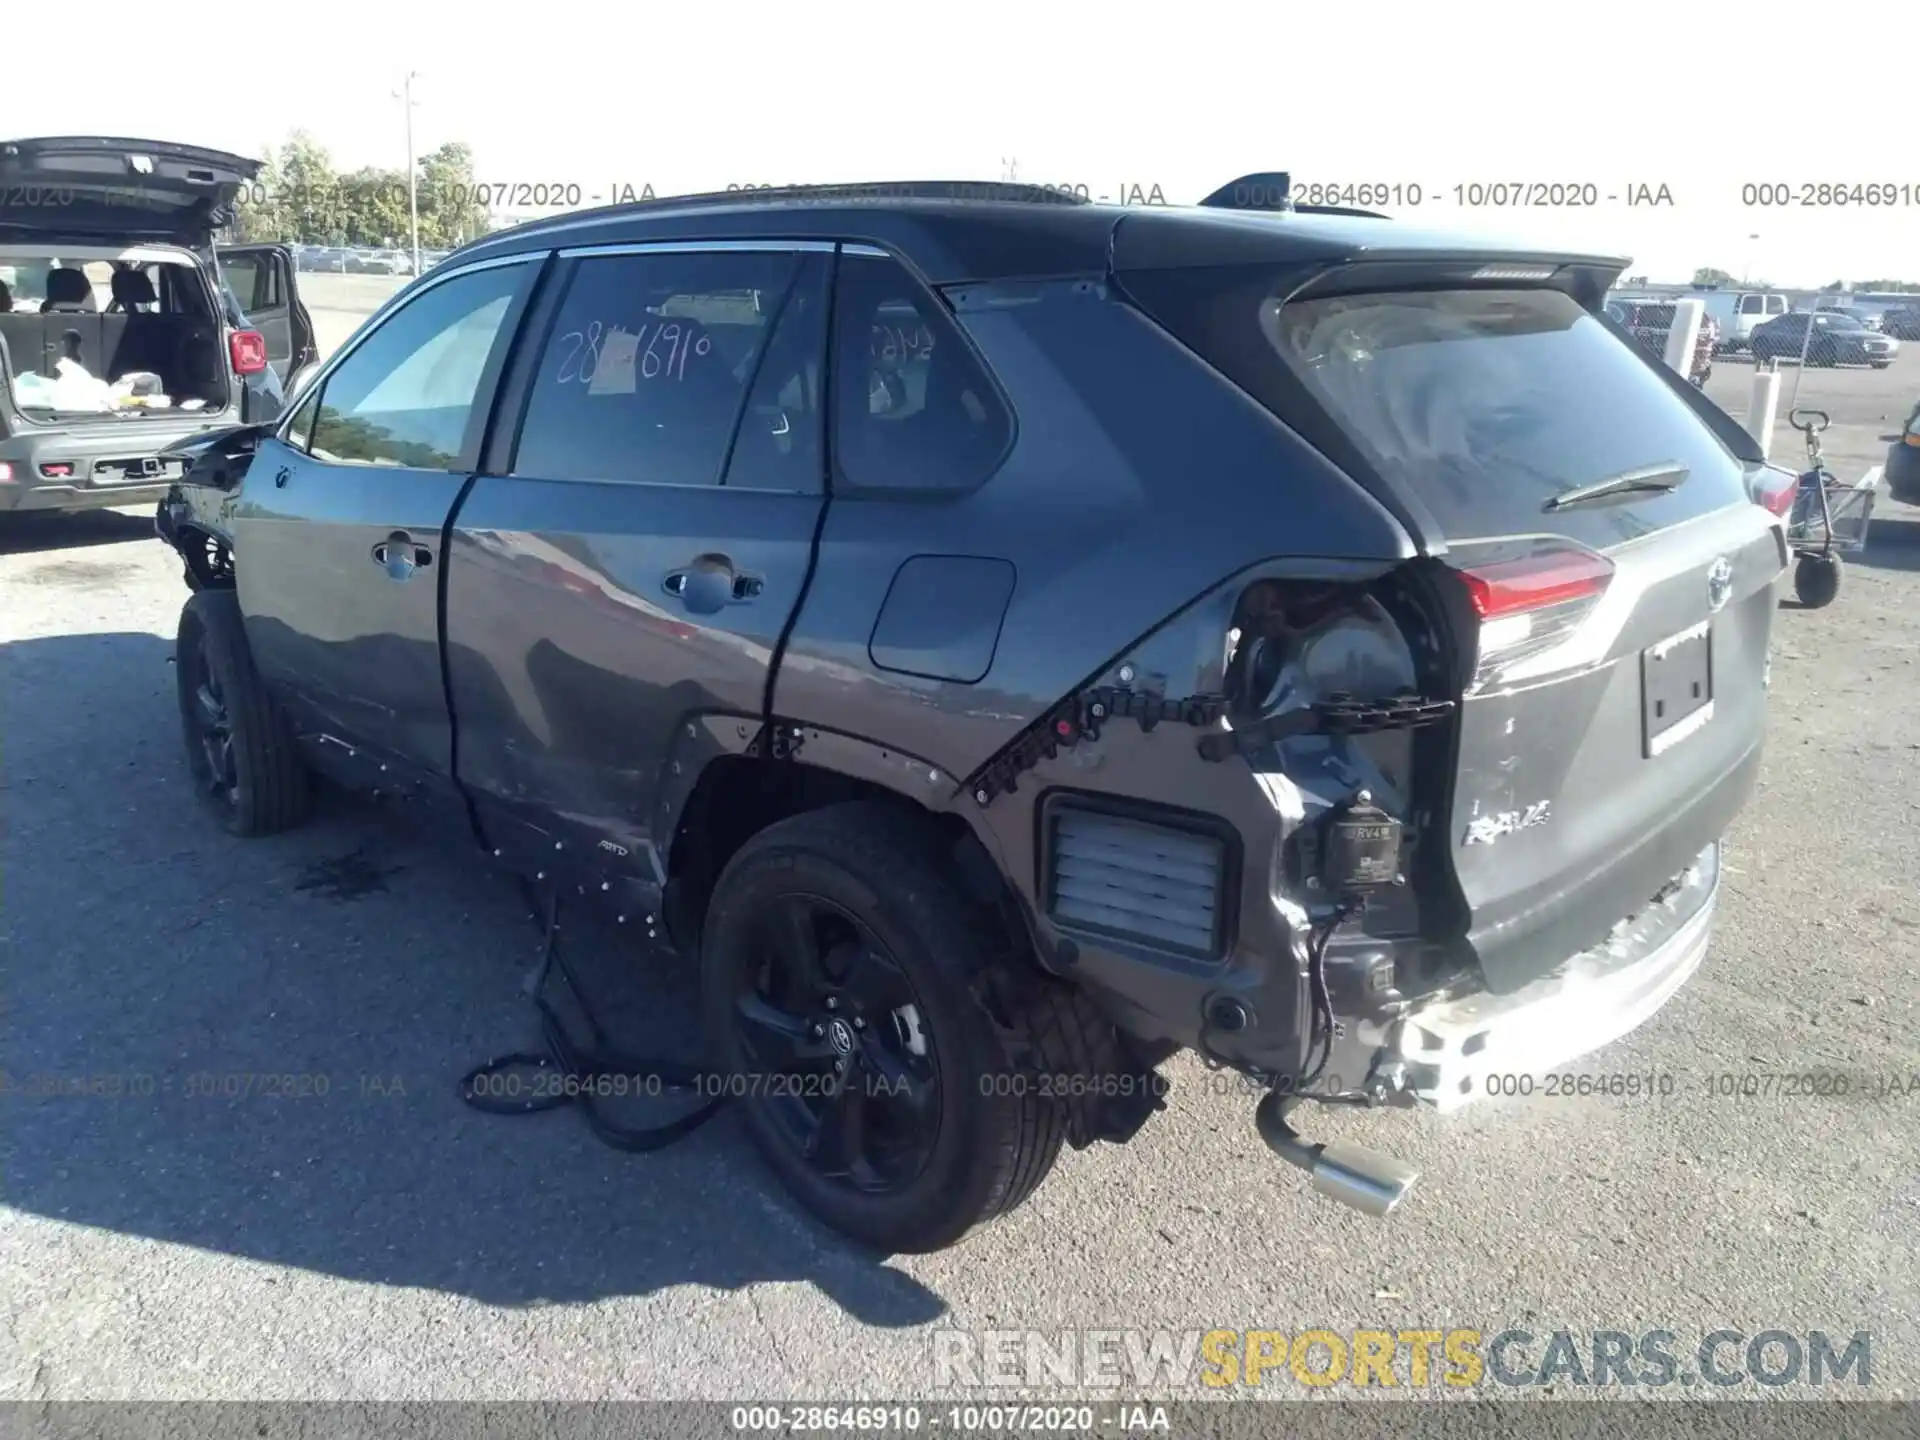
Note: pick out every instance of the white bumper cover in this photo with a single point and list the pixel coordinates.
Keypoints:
(1453, 1047)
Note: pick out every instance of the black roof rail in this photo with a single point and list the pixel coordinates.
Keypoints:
(1013, 192)
(1272, 190)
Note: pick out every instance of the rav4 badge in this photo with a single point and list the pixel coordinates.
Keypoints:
(1485, 829)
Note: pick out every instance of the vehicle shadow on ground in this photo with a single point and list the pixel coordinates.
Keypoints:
(28, 532)
(252, 1047)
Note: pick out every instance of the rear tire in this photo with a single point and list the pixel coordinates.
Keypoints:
(1816, 580)
(879, 875)
(241, 750)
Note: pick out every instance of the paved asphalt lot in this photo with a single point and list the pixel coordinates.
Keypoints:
(382, 1241)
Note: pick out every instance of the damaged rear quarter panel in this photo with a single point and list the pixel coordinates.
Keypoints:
(1138, 481)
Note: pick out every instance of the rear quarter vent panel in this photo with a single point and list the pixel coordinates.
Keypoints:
(1153, 880)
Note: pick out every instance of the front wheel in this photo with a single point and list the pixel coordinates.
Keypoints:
(1881, 364)
(848, 996)
(1816, 580)
(241, 751)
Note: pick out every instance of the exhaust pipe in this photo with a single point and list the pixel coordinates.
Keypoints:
(1352, 1174)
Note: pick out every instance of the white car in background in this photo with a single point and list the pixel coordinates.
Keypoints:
(1739, 312)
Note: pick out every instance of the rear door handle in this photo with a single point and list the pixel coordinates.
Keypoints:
(400, 555)
(711, 583)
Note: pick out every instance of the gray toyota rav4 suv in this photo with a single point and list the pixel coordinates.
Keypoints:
(109, 272)
(1005, 640)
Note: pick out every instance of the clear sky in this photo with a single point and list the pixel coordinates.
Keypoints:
(1185, 96)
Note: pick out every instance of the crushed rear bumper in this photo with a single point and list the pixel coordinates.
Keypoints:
(1452, 1048)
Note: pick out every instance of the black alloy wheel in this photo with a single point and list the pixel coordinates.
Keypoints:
(857, 999)
(834, 1036)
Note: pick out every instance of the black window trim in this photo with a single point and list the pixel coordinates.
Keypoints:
(486, 394)
(516, 392)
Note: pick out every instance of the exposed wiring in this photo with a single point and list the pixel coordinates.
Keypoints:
(1323, 1020)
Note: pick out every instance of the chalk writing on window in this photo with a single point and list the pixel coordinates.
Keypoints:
(611, 361)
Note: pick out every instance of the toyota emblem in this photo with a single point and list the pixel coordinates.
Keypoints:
(840, 1036)
(1719, 582)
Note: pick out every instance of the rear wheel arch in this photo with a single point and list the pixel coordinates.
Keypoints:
(714, 807)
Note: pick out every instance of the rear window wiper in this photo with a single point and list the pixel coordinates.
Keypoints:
(1647, 480)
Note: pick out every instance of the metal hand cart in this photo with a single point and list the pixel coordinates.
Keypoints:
(1829, 517)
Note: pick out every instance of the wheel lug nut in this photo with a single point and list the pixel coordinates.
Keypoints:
(858, 1023)
(818, 1031)
(832, 1004)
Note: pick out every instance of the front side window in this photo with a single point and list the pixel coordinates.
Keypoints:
(648, 367)
(406, 394)
(1753, 305)
(913, 410)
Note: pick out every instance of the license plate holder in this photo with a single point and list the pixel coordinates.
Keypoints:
(1676, 688)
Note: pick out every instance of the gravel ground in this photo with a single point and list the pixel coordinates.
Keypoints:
(382, 1241)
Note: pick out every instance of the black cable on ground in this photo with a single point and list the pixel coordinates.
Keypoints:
(567, 1074)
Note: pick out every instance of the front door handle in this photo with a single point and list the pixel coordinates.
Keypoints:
(400, 555)
(710, 584)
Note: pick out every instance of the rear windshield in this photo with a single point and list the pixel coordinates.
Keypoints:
(1488, 403)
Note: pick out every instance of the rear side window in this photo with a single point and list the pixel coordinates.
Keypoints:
(1776, 304)
(655, 360)
(1488, 403)
(254, 280)
(913, 409)
(1753, 305)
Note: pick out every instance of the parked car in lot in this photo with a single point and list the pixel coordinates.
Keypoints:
(1005, 642)
(1902, 322)
(1903, 460)
(1866, 318)
(94, 394)
(377, 262)
(1650, 323)
(1835, 339)
(1738, 313)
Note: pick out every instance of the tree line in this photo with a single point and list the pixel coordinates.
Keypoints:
(1707, 275)
(298, 198)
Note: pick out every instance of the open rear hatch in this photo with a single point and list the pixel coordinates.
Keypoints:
(117, 190)
(1606, 582)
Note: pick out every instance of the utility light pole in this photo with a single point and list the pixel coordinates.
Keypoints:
(405, 96)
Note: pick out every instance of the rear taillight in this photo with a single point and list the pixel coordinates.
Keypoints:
(1530, 597)
(1774, 491)
(6, 473)
(249, 351)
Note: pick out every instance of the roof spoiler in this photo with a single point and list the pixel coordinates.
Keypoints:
(1272, 190)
